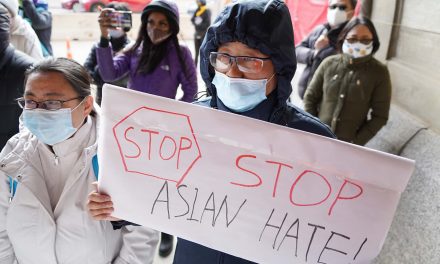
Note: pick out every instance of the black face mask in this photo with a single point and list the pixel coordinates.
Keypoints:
(4, 28)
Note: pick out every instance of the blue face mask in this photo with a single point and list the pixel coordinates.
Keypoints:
(50, 127)
(240, 95)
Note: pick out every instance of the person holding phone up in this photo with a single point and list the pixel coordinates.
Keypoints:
(156, 63)
(119, 41)
(322, 41)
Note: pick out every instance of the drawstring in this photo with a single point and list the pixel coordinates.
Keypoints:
(201, 94)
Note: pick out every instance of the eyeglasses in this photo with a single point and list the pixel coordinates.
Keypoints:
(222, 62)
(363, 41)
(341, 7)
(51, 105)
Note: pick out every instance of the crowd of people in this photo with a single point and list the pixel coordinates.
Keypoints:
(247, 61)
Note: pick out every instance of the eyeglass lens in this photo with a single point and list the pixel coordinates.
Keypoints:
(48, 105)
(363, 41)
(222, 62)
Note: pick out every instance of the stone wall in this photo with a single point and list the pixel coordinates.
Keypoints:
(409, 32)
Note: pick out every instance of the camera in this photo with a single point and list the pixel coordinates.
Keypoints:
(121, 19)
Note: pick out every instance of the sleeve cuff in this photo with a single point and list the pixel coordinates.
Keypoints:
(119, 224)
(104, 43)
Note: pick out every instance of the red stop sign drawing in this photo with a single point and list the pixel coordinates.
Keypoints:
(157, 143)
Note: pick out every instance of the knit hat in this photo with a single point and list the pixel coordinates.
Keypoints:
(165, 6)
(11, 5)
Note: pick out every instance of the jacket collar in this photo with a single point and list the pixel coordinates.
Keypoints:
(355, 62)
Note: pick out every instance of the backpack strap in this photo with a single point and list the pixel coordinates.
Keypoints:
(13, 183)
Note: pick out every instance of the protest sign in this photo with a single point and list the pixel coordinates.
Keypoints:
(256, 190)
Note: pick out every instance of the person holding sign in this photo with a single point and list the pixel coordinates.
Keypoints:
(46, 171)
(347, 86)
(156, 63)
(247, 61)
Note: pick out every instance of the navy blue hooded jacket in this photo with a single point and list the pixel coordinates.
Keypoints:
(264, 25)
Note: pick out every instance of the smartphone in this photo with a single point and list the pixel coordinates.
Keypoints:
(121, 19)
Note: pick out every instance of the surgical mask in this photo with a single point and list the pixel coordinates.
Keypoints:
(157, 36)
(336, 17)
(50, 127)
(116, 33)
(357, 50)
(240, 95)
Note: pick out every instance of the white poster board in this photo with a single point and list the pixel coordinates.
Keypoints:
(256, 190)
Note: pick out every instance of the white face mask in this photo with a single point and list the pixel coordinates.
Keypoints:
(336, 17)
(357, 50)
(116, 33)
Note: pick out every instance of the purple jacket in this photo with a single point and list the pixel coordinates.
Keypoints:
(163, 81)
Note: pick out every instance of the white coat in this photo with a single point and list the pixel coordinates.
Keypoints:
(31, 232)
(23, 38)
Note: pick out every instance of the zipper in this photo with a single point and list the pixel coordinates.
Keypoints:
(56, 159)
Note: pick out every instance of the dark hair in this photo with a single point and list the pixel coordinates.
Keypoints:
(356, 21)
(151, 54)
(352, 2)
(74, 73)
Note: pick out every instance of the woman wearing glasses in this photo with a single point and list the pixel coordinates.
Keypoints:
(351, 92)
(247, 61)
(46, 173)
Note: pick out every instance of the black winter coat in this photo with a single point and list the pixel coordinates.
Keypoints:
(306, 49)
(13, 64)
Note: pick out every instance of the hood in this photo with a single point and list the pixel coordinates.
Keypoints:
(260, 24)
(165, 6)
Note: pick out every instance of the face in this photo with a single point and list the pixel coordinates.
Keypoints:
(349, 10)
(360, 32)
(53, 86)
(240, 49)
(159, 21)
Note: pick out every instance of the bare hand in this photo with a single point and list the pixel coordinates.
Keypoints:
(105, 20)
(100, 206)
(321, 42)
